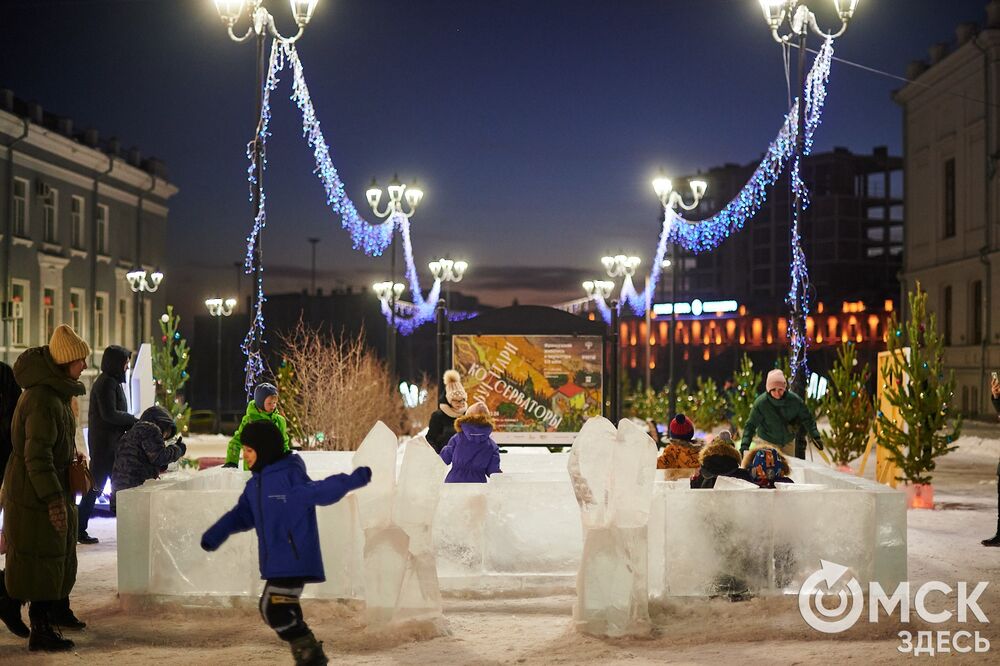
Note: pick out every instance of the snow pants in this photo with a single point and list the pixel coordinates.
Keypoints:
(280, 608)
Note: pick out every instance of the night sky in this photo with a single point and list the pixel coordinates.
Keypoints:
(534, 126)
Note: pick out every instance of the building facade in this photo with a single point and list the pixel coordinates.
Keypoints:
(76, 215)
(950, 128)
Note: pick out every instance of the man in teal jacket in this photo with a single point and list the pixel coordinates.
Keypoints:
(776, 417)
(263, 407)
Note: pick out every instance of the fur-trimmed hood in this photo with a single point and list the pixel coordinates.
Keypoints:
(782, 460)
(719, 449)
(481, 420)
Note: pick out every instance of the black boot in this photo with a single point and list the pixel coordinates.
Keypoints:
(307, 651)
(86, 539)
(44, 636)
(10, 612)
(995, 541)
(62, 616)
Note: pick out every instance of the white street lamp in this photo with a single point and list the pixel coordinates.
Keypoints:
(141, 283)
(800, 20)
(219, 308)
(261, 21)
(671, 198)
(599, 288)
(397, 192)
(620, 265)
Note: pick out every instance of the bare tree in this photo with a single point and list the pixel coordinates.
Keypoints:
(342, 389)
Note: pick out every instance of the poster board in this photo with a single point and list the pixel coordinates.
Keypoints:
(885, 468)
(539, 388)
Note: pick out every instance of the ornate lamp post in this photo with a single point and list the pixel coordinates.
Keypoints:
(800, 22)
(671, 199)
(397, 192)
(389, 292)
(447, 271)
(219, 308)
(141, 282)
(261, 27)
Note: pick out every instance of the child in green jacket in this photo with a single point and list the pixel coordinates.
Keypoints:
(263, 407)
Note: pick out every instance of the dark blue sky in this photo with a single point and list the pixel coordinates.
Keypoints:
(534, 126)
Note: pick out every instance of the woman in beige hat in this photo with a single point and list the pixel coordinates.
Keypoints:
(39, 510)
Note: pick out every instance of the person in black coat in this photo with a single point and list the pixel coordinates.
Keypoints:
(143, 452)
(442, 424)
(995, 395)
(109, 419)
(720, 458)
(9, 393)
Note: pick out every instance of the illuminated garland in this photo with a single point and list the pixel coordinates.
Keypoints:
(254, 339)
(703, 235)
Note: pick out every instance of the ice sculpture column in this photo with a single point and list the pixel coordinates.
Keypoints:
(401, 580)
(613, 473)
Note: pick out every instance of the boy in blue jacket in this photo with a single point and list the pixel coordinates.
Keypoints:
(280, 501)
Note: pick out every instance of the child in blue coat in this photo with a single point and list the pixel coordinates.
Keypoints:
(471, 452)
(280, 501)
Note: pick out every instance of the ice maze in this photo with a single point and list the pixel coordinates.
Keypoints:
(519, 534)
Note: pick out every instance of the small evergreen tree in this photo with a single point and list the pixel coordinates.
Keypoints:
(924, 402)
(848, 406)
(647, 404)
(289, 389)
(746, 387)
(708, 405)
(170, 359)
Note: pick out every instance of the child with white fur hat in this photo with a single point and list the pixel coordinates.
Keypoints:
(442, 423)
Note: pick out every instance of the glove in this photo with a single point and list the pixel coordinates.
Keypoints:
(817, 443)
(181, 445)
(57, 515)
(360, 477)
(207, 544)
(230, 465)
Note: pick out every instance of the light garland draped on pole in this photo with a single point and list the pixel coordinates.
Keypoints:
(699, 236)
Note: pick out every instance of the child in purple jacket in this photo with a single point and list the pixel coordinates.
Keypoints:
(280, 502)
(471, 452)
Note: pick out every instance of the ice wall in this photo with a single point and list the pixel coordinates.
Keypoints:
(522, 533)
(612, 472)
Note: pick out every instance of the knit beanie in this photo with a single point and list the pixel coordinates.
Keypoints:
(264, 438)
(775, 379)
(66, 346)
(724, 437)
(766, 465)
(681, 428)
(453, 389)
(261, 393)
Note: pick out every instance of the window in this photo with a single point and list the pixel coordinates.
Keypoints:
(946, 315)
(896, 213)
(103, 221)
(20, 207)
(48, 314)
(949, 198)
(101, 321)
(876, 234)
(122, 321)
(876, 185)
(19, 327)
(976, 305)
(77, 299)
(896, 184)
(896, 250)
(875, 252)
(876, 213)
(77, 223)
(50, 212)
(896, 233)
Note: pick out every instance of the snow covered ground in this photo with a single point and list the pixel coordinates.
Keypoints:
(943, 545)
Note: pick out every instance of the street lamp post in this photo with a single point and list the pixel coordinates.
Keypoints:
(142, 283)
(219, 308)
(670, 199)
(447, 271)
(261, 26)
(800, 21)
(388, 293)
(394, 206)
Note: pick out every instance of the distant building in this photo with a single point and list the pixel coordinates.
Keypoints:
(76, 214)
(953, 232)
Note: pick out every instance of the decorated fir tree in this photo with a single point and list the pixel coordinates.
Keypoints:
(746, 387)
(290, 389)
(915, 384)
(170, 358)
(648, 404)
(708, 406)
(848, 406)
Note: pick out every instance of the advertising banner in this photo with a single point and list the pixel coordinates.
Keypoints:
(540, 388)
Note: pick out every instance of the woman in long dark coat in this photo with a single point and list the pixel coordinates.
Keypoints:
(39, 508)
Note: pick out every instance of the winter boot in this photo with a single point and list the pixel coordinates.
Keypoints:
(307, 651)
(61, 615)
(10, 612)
(44, 636)
(995, 541)
(86, 539)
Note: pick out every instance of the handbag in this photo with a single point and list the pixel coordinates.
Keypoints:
(80, 480)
